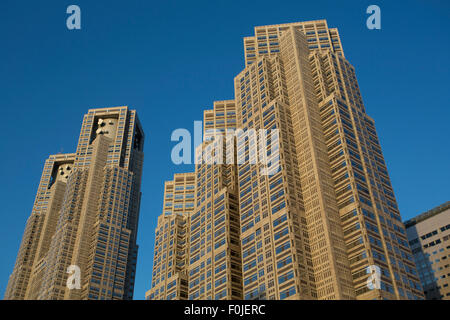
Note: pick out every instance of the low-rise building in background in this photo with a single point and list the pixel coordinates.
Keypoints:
(428, 236)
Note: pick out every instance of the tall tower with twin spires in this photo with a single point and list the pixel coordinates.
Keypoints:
(85, 216)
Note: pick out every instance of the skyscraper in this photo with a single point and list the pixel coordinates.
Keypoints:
(171, 239)
(318, 227)
(85, 215)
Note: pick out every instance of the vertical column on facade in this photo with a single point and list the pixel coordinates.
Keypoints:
(215, 254)
(275, 252)
(48, 229)
(89, 213)
(329, 259)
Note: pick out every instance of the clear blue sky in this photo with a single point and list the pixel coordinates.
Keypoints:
(170, 60)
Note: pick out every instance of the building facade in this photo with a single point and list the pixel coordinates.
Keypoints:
(171, 240)
(212, 255)
(315, 225)
(85, 216)
(429, 237)
(215, 252)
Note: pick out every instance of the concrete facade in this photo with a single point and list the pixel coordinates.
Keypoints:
(429, 238)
